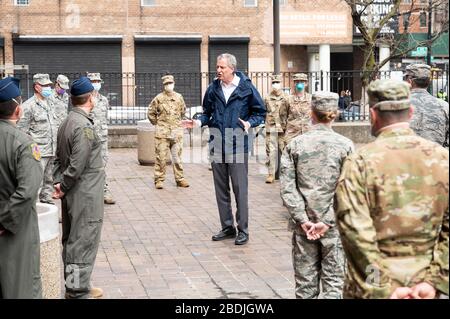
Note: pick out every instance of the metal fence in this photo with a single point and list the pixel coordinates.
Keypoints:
(130, 93)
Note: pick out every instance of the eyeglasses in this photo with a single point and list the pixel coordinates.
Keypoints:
(18, 103)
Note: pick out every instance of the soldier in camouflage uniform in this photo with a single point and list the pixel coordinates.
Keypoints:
(299, 108)
(100, 116)
(431, 115)
(392, 205)
(166, 111)
(61, 98)
(310, 168)
(39, 121)
(276, 116)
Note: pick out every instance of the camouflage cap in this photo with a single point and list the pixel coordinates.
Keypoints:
(167, 79)
(63, 81)
(42, 79)
(389, 95)
(301, 77)
(325, 101)
(276, 78)
(94, 76)
(418, 71)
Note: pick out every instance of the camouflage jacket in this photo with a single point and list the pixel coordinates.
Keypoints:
(310, 169)
(276, 116)
(61, 106)
(39, 121)
(392, 214)
(431, 117)
(298, 116)
(100, 116)
(166, 112)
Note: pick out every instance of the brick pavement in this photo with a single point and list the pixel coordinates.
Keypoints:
(157, 243)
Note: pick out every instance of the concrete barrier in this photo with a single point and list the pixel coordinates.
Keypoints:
(51, 263)
(126, 136)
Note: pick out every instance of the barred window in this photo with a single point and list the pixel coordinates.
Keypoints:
(148, 3)
(21, 2)
(250, 3)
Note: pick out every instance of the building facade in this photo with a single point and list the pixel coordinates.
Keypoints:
(127, 40)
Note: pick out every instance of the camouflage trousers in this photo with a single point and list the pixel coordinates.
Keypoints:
(319, 263)
(162, 148)
(274, 146)
(105, 157)
(46, 190)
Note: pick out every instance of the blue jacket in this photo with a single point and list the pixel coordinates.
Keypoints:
(245, 103)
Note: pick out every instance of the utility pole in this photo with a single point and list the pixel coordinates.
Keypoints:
(276, 36)
(276, 59)
(430, 16)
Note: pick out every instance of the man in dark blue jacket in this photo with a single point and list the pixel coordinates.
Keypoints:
(231, 106)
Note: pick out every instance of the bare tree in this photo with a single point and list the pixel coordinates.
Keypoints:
(378, 22)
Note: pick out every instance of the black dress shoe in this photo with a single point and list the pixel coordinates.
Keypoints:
(241, 239)
(229, 232)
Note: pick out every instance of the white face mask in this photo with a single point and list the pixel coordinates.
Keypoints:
(169, 87)
(276, 86)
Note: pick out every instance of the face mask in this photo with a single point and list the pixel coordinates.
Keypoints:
(46, 91)
(60, 91)
(300, 87)
(169, 87)
(276, 86)
(97, 86)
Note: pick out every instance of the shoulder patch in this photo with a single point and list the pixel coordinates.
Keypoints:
(89, 133)
(35, 152)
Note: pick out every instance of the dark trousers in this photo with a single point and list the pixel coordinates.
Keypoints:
(238, 172)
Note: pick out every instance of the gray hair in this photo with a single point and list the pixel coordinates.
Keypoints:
(231, 60)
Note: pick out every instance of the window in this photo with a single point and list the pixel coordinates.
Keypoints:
(250, 3)
(21, 2)
(423, 19)
(148, 3)
(406, 17)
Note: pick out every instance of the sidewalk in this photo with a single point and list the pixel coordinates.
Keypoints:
(157, 243)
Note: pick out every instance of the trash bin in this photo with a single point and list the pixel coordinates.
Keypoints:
(146, 143)
(51, 263)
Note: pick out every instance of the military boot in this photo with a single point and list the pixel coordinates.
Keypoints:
(159, 185)
(108, 198)
(183, 183)
(270, 178)
(96, 292)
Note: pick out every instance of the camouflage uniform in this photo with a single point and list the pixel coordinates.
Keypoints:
(276, 105)
(298, 112)
(310, 168)
(61, 101)
(166, 111)
(100, 116)
(61, 107)
(39, 121)
(431, 115)
(392, 207)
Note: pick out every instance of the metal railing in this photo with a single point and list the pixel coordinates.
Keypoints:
(130, 93)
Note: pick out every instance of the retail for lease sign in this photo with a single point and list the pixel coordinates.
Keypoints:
(307, 27)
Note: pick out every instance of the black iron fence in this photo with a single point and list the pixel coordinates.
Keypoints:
(130, 93)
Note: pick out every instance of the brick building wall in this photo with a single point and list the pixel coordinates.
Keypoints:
(129, 18)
